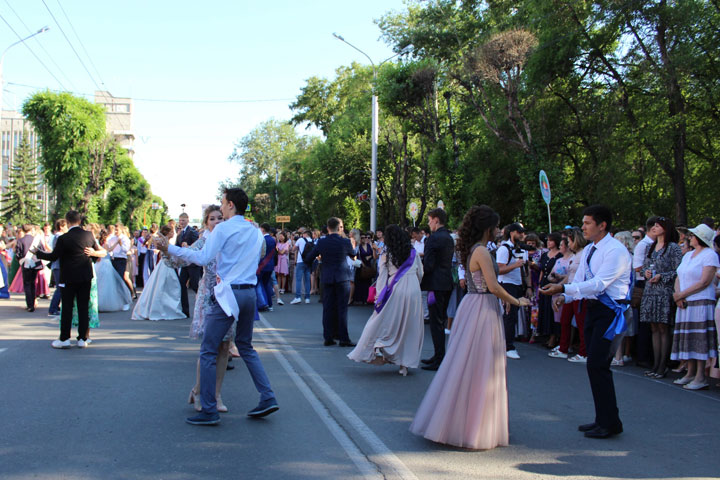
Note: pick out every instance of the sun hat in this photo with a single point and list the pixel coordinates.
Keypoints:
(703, 233)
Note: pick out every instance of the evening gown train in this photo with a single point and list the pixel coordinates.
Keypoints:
(466, 404)
(113, 293)
(160, 298)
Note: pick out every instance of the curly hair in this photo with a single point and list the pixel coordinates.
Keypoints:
(398, 245)
(477, 221)
(102, 237)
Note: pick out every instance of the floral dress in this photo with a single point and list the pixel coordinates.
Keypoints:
(656, 305)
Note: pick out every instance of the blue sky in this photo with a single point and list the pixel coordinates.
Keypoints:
(216, 50)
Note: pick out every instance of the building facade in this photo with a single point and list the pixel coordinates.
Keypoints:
(118, 119)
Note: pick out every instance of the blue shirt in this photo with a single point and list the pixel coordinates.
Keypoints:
(236, 244)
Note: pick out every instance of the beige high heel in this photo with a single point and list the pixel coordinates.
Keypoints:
(403, 371)
(220, 405)
(195, 400)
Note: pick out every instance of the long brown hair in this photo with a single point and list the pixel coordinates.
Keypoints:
(477, 221)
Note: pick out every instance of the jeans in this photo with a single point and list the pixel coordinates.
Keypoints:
(216, 326)
(55, 301)
(265, 279)
(302, 272)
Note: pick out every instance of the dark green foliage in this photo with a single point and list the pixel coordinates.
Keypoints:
(20, 203)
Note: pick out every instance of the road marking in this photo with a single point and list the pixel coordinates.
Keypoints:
(2, 349)
(382, 458)
(671, 385)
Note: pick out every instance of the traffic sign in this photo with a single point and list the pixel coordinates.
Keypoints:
(282, 219)
(545, 186)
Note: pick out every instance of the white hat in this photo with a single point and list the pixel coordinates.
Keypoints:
(704, 233)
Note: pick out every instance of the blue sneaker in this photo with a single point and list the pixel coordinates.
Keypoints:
(264, 408)
(203, 418)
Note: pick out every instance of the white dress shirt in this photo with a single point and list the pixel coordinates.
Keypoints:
(639, 255)
(236, 244)
(503, 257)
(611, 265)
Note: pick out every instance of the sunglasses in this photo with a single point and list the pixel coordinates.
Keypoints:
(636, 237)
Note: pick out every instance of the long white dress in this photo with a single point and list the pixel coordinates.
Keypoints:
(113, 294)
(160, 298)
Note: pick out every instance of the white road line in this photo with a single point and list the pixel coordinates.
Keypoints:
(673, 386)
(2, 349)
(381, 457)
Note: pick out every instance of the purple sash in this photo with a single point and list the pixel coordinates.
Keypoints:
(387, 291)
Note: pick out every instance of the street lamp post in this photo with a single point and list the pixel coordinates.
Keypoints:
(2, 59)
(375, 114)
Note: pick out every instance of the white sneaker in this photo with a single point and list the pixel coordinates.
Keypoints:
(81, 343)
(513, 354)
(557, 354)
(556, 349)
(61, 344)
(88, 341)
(447, 331)
(307, 300)
(280, 302)
(578, 359)
(295, 301)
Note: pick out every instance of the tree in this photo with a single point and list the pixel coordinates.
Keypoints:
(20, 203)
(69, 129)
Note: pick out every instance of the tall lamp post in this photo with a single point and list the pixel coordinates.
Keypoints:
(2, 59)
(373, 175)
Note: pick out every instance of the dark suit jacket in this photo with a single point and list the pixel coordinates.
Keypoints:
(437, 262)
(188, 235)
(75, 266)
(270, 249)
(23, 245)
(334, 250)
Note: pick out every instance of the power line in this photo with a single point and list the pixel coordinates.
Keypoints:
(31, 51)
(71, 45)
(37, 39)
(170, 100)
(81, 43)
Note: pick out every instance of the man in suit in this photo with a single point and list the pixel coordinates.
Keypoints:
(437, 278)
(335, 277)
(29, 267)
(74, 249)
(186, 237)
(267, 264)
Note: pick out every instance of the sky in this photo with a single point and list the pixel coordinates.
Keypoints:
(219, 50)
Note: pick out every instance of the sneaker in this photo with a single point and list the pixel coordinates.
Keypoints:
(264, 408)
(88, 341)
(203, 418)
(513, 354)
(61, 343)
(269, 309)
(557, 354)
(81, 343)
(556, 349)
(295, 301)
(307, 301)
(280, 302)
(53, 314)
(447, 331)
(578, 359)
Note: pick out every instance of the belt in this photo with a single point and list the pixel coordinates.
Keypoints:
(594, 302)
(243, 286)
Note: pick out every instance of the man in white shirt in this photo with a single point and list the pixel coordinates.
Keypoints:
(302, 271)
(236, 244)
(510, 278)
(602, 277)
(119, 245)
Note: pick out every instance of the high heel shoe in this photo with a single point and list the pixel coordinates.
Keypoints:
(195, 400)
(220, 405)
(403, 371)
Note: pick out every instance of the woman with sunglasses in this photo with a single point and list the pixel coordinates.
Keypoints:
(656, 307)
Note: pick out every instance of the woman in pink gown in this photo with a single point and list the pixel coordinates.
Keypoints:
(466, 404)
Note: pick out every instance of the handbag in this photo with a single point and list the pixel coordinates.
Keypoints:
(372, 293)
(367, 272)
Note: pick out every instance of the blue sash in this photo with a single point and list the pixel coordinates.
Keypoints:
(618, 325)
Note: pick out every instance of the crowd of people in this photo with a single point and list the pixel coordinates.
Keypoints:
(590, 294)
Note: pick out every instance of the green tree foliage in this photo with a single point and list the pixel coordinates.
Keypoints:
(20, 203)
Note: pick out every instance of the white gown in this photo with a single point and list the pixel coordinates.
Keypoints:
(113, 294)
(160, 298)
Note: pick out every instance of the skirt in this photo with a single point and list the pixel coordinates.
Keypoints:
(695, 336)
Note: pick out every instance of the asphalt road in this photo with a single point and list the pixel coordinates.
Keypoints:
(116, 410)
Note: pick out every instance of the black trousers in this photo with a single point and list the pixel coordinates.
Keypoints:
(120, 264)
(438, 320)
(599, 355)
(139, 279)
(71, 292)
(187, 275)
(29, 276)
(510, 318)
(335, 297)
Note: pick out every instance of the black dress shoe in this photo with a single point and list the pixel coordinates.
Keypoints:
(329, 343)
(602, 432)
(347, 344)
(428, 361)
(432, 367)
(230, 366)
(587, 427)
